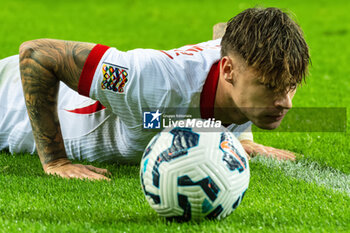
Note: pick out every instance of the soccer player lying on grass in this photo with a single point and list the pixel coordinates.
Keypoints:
(248, 76)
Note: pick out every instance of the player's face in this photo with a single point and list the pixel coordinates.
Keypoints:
(254, 101)
(258, 102)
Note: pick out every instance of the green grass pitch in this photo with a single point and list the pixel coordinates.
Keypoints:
(310, 195)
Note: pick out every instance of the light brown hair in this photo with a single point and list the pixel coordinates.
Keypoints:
(271, 43)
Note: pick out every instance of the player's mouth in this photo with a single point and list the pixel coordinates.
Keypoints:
(276, 117)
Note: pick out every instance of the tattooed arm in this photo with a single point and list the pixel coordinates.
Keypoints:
(43, 64)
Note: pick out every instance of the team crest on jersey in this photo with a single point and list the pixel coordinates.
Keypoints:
(114, 77)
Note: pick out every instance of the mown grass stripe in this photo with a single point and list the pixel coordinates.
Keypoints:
(310, 172)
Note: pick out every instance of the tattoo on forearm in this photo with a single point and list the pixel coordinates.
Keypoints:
(43, 63)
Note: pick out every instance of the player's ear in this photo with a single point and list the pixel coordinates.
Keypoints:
(227, 69)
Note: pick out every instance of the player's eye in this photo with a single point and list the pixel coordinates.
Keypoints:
(293, 86)
(269, 86)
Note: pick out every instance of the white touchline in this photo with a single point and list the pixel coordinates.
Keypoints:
(310, 172)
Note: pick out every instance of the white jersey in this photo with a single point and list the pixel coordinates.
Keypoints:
(125, 83)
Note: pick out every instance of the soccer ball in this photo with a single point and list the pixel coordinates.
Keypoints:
(186, 174)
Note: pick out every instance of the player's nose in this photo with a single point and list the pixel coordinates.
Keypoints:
(284, 101)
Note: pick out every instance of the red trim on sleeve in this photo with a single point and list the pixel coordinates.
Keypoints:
(209, 91)
(96, 107)
(89, 69)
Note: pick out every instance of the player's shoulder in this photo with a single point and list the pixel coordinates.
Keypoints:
(10, 60)
(194, 53)
(215, 43)
(207, 49)
(198, 48)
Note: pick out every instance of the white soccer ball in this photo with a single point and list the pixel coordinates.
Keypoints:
(186, 174)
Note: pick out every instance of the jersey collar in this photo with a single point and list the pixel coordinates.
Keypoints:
(207, 98)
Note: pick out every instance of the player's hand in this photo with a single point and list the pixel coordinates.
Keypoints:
(254, 149)
(65, 169)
